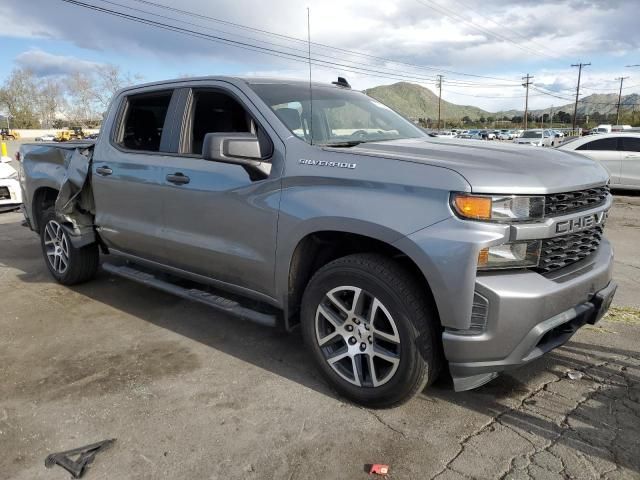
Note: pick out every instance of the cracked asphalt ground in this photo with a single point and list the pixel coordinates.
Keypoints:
(190, 393)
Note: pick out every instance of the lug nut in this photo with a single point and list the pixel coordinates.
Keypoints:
(363, 346)
(349, 328)
(370, 339)
(366, 326)
(352, 340)
(356, 321)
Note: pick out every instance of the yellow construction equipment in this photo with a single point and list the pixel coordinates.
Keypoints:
(72, 133)
(8, 134)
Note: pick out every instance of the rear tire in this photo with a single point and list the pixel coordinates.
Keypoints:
(372, 331)
(67, 264)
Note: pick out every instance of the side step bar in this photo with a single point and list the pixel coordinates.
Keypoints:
(220, 303)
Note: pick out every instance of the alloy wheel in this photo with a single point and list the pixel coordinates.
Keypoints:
(357, 336)
(56, 247)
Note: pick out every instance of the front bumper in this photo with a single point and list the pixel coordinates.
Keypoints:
(529, 315)
(12, 188)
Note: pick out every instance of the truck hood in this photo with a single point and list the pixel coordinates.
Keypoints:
(493, 167)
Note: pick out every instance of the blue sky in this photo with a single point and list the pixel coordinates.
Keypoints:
(464, 40)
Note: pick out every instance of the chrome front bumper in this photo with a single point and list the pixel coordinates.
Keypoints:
(529, 315)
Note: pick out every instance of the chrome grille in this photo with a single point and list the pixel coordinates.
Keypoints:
(561, 251)
(564, 203)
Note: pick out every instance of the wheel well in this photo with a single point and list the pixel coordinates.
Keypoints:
(43, 198)
(319, 248)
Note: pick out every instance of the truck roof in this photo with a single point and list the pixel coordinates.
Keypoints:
(232, 79)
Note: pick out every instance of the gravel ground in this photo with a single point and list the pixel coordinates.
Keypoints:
(190, 393)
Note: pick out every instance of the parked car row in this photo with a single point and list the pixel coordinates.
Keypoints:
(74, 133)
(619, 152)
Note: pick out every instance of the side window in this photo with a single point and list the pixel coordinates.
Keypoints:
(630, 144)
(143, 121)
(216, 112)
(601, 144)
(291, 115)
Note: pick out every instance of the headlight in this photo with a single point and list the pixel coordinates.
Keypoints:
(510, 255)
(498, 208)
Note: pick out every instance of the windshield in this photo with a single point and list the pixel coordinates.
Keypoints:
(531, 134)
(341, 117)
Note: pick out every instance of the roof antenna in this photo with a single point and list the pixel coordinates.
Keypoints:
(310, 89)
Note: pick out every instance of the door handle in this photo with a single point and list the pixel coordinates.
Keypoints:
(178, 178)
(104, 171)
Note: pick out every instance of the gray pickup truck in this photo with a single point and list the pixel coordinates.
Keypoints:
(399, 256)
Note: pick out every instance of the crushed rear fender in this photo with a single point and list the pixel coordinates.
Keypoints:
(75, 205)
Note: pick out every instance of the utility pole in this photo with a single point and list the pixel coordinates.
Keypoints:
(527, 82)
(439, 97)
(622, 79)
(575, 109)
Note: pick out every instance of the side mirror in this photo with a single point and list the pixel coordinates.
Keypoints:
(239, 148)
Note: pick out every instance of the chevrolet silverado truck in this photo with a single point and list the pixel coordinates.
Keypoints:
(398, 256)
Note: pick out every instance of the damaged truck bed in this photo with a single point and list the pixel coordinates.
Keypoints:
(61, 174)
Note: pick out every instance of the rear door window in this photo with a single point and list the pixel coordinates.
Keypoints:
(144, 121)
(600, 144)
(629, 144)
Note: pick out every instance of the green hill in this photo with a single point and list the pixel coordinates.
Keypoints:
(415, 101)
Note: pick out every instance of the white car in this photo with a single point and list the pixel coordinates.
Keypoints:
(537, 138)
(47, 137)
(505, 135)
(10, 192)
(445, 134)
(617, 152)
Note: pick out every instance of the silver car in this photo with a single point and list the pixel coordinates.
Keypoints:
(617, 152)
(537, 138)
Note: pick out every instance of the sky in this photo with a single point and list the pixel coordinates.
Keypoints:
(482, 49)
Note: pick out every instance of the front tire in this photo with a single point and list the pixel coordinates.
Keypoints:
(372, 331)
(67, 264)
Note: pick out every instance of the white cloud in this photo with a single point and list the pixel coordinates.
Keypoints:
(44, 64)
(459, 35)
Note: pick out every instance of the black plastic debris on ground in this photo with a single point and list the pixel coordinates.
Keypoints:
(85, 456)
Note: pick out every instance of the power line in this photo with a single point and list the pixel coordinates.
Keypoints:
(456, 16)
(575, 109)
(500, 25)
(302, 57)
(317, 44)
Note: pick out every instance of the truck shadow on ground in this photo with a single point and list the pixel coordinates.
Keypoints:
(583, 422)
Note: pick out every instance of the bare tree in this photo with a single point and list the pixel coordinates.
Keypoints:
(80, 91)
(50, 101)
(19, 97)
(109, 79)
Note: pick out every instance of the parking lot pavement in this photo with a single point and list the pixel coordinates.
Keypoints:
(190, 393)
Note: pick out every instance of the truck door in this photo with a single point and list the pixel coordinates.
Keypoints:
(221, 219)
(630, 171)
(127, 175)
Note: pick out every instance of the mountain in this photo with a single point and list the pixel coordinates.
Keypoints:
(603, 103)
(414, 101)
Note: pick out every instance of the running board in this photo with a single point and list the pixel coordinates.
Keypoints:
(220, 303)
